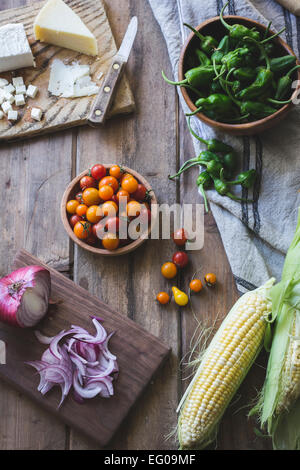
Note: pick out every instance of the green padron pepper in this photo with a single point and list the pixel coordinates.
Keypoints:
(240, 57)
(245, 179)
(197, 77)
(245, 74)
(280, 65)
(285, 84)
(202, 57)
(203, 182)
(222, 49)
(239, 31)
(208, 43)
(219, 104)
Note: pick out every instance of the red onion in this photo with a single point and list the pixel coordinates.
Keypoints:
(24, 296)
(82, 361)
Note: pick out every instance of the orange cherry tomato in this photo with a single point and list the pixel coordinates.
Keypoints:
(94, 214)
(110, 241)
(123, 193)
(169, 270)
(72, 206)
(210, 279)
(82, 230)
(130, 184)
(125, 175)
(115, 171)
(196, 285)
(163, 298)
(91, 196)
(109, 208)
(106, 192)
(81, 210)
(110, 181)
(133, 208)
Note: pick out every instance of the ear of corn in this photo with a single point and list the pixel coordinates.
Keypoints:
(223, 367)
(278, 404)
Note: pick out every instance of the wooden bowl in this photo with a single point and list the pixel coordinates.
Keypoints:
(74, 187)
(214, 27)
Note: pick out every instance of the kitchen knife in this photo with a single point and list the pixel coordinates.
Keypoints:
(105, 96)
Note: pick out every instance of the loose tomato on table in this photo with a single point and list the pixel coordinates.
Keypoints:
(82, 230)
(210, 279)
(180, 237)
(98, 171)
(72, 206)
(180, 258)
(196, 285)
(87, 182)
(163, 298)
(91, 196)
(169, 270)
(110, 181)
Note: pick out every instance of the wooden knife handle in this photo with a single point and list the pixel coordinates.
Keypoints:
(105, 97)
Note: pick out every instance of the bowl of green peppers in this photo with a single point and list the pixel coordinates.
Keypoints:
(236, 75)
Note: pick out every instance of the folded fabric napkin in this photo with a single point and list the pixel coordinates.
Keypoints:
(292, 5)
(256, 236)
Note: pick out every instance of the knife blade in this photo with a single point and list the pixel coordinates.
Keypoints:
(104, 99)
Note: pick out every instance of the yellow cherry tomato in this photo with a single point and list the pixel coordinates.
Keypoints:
(163, 298)
(169, 270)
(180, 297)
(110, 241)
(115, 171)
(109, 208)
(81, 210)
(94, 214)
(196, 285)
(72, 206)
(91, 196)
(210, 279)
(130, 184)
(106, 192)
(133, 208)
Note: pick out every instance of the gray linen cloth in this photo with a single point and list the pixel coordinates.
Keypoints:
(256, 236)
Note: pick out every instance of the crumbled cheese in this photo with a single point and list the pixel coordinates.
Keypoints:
(32, 91)
(19, 100)
(17, 81)
(9, 88)
(6, 106)
(3, 82)
(20, 89)
(36, 114)
(12, 115)
(71, 81)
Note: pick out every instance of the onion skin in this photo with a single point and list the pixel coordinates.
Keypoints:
(24, 296)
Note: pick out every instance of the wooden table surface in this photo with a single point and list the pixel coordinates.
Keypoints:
(154, 141)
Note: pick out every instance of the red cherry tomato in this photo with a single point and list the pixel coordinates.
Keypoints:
(140, 193)
(112, 224)
(88, 182)
(180, 237)
(98, 171)
(180, 258)
(74, 219)
(78, 197)
(145, 215)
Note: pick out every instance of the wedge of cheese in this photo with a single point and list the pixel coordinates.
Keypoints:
(58, 24)
(15, 52)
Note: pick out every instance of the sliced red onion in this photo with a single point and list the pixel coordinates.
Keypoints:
(77, 358)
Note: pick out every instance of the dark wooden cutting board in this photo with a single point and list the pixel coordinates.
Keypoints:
(139, 356)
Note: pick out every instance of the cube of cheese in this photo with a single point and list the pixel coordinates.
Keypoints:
(58, 24)
(9, 97)
(12, 115)
(32, 91)
(19, 100)
(17, 81)
(36, 114)
(15, 52)
(20, 89)
(3, 82)
(6, 106)
(9, 88)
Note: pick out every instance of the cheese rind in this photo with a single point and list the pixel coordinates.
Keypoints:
(58, 24)
(15, 52)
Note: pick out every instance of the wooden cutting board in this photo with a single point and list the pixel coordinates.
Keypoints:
(61, 113)
(139, 356)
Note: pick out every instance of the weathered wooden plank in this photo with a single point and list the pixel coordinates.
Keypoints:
(145, 142)
(61, 113)
(33, 176)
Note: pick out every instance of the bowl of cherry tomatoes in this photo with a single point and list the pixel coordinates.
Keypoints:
(101, 204)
